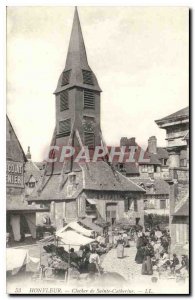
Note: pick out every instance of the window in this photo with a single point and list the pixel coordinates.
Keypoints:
(126, 203)
(65, 127)
(183, 162)
(89, 139)
(164, 162)
(150, 169)
(65, 77)
(87, 77)
(135, 205)
(162, 204)
(181, 233)
(64, 100)
(31, 184)
(89, 99)
(121, 167)
(144, 168)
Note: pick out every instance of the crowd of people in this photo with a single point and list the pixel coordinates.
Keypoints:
(153, 252)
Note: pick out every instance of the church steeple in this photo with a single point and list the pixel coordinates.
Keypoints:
(76, 56)
(77, 96)
(77, 71)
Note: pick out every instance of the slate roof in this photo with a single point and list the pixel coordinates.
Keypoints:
(162, 153)
(77, 60)
(100, 176)
(96, 176)
(40, 164)
(86, 222)
(180, 114)
(16, 203)
(153, 159)
(161, 187)
(31, 170)
(183, 210)
(131, 168)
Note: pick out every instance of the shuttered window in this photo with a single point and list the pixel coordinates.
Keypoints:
(65, 127)
(89, 139)
(89, 99)
(64, 100)
(66, 77)
(87, 77)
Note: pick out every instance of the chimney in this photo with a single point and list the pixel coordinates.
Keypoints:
(123, 141)
(127, 142)
(28, 154)
(132, 141)
(152, 144)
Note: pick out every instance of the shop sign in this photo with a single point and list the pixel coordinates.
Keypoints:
(15, 174)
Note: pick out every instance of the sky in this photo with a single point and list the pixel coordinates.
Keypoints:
(139, 55)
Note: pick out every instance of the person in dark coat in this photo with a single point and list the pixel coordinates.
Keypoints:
(174, 263)
(147, 263)
(140, 250)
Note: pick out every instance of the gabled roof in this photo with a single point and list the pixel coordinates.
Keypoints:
(76, 60)
(14, 150)
(100, 176)
(178, 115)
(96, 176)
(162, 153)
(31, 170)
(161, 187)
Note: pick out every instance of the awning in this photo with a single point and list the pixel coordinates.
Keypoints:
(92, 201)
(15, 259)
(159, 211)
(72, 239)
(76, 227)
(183, 210)
(88, 223)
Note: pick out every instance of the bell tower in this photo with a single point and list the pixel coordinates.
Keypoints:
(77, 96)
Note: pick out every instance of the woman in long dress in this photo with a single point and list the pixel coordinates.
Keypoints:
(147, 263)
(94, 262)
(140, 250)
(120, 247)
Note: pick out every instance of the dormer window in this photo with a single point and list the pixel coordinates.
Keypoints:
(66, 77)
(87, 77)
(31, 184)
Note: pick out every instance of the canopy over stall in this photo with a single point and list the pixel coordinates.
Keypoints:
(16, 259)
(87, 223)
(72, 239)
(76, 227)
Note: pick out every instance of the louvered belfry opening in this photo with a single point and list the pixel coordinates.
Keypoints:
(89, 99)
(64, 101)
(66, 77)
(87, 77)
(65, 127)
(89, 139)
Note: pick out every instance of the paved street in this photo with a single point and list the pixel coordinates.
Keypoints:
(126, 266)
